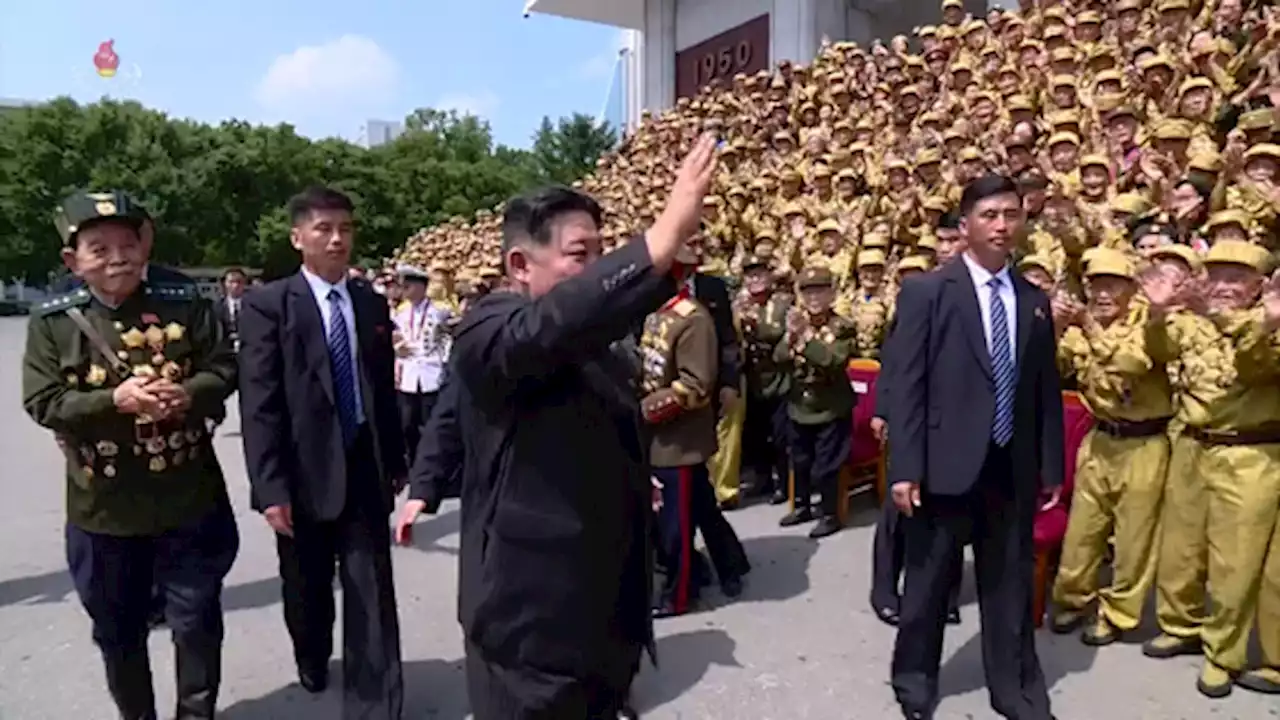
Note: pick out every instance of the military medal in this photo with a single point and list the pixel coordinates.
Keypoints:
(156, 445)
(193, 436)
(133, 339)
(175, 441)
(174, 332)
(107, 449)
(155, 338)
(96, 375)
(157, 464)
(109, 470)
(178, 458)
(119, 326)
(171, 371)
(123, 354)
(72, 380)
(157, 359)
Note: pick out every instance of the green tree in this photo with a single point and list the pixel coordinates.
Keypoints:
(218, 191)
(568, 149)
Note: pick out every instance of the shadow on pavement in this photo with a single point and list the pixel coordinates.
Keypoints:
(1060, 656)
(779, 567)
(50, 587)
(434, 689)
(683, 660)
(435, 528)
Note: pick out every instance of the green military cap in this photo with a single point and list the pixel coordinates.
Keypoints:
(815, 276)
(82, 208)
(755, 261)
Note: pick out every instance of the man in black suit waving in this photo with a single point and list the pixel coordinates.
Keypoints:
(975, 421)
(555, 565)
(325, 454)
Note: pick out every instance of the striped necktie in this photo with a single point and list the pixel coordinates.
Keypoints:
(344, 378)
(1002, 369)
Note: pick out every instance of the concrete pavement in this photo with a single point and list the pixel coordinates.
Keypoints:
(801, 643)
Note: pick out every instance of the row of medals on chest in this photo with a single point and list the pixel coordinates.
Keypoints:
(183, 443)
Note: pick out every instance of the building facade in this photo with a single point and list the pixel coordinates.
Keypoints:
(675, 47)
(381, 132)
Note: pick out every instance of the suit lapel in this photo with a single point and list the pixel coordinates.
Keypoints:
(311, 330)
(1026, 312)
(966, 296)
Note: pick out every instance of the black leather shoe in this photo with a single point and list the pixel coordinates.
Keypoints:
(796, 517)
(778, 498)
(730, 505)
(953, 617)
(888, 616)
(628, 713)
(732, 587)
(829, 525)
(314, 682)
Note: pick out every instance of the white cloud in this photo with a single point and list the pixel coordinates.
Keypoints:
(348, 73)
(483, 104)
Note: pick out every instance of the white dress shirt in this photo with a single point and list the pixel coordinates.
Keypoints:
(421, 330)
(320, 289)
(981, 276)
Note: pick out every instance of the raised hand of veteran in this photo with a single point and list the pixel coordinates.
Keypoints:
(680, 218)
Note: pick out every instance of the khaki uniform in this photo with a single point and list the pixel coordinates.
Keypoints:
(680, 362)
(1224, 478)
(1121, 468)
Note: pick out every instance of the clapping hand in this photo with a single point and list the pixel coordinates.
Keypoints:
(1271, 301)
(1162, 288)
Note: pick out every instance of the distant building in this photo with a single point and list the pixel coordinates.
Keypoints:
(381, 132)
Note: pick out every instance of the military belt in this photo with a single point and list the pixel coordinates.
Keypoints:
(1130, 429)
(1263, 435)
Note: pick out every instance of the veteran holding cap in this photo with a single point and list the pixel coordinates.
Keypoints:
(127, 374)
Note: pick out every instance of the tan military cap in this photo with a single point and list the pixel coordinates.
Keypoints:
(1226, 218)
(1064, 137)
(875, 240)
(829, 225)
(1260, 119)
(1095, 161)
(913, 263)
(815, 276)
(1089, 17)
(1172, 5)
(1035, 261)
(1197, 82)
(1155, 61)
(1180, 252)
(794, 208)
(1205, 161)
(1263, 150)
(763, 236)
(1239, 252)
(928, 156)
(926, 31)
(871, 257)
(1106, 261)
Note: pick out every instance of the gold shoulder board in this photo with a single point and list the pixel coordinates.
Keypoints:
(684, 308)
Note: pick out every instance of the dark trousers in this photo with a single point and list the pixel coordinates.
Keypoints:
(997, 519)
(115, 577)
(888, 553)
(689, 505)
(358, 543)
(500, 692)
(818, 453)
(415, 410)
(766, 440)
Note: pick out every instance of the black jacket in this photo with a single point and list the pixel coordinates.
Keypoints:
(555, 563)
(941, 397)
(293, 444)
(436, 472)
(712, 292)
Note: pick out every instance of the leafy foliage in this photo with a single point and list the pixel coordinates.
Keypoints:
(218, 191)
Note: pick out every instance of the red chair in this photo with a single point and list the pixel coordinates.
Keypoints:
(1051, 525)
(866, 457)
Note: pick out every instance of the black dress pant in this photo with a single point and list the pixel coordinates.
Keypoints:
(415, 410)
(503, 692)
(887, 557)
(997, 518)
(115, 578)
(766, 440)
(818, 453)
(688, 506)
(358, 545)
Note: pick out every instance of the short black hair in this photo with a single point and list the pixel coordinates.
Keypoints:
(950, 220)
(528, 217)
(234, 271)
(985, 187)
(317, 197)
(1031, 180)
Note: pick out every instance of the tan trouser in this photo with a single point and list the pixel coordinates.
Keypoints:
(1119, 483)
(1269, 604)
(1181, 563)
(1244, 504)
(724, 467)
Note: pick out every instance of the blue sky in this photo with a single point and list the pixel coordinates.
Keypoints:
(326, 66)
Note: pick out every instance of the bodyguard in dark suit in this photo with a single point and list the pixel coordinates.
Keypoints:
(713, 294)
(325, 455)
(975, 429)
(555, 565)
(234, 282)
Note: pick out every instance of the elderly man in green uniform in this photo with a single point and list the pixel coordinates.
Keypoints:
(762, 315)
(816, 349)
(127, 373)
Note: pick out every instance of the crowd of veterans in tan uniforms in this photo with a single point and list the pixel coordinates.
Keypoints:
(1143, 136)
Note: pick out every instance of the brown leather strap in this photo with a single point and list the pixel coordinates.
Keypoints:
(99, 343)
(1264, 435)
(1130, 429)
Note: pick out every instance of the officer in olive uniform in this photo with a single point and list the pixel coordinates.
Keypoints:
(680, 359)
(126, 373)
(762, 314)
(816, 350)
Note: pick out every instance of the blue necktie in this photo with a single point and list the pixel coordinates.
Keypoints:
(344, 381)
(1002, 370)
